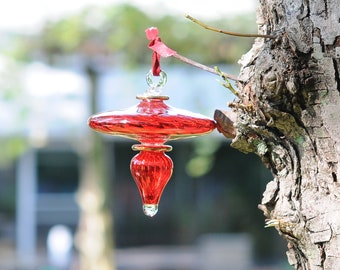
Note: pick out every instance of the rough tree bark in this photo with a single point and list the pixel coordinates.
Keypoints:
(288, 114)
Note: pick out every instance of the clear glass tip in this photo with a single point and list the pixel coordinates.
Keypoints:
(150, 209)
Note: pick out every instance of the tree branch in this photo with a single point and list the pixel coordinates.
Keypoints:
(226, 32)
(206, 68)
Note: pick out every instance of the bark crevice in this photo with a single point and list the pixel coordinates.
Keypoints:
(336, 71)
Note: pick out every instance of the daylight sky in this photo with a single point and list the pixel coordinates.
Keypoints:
(19, 15)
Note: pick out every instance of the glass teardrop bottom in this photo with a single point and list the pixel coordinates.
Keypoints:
(150, 209)
(151, 170)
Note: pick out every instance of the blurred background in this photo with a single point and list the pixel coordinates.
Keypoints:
(67, 199)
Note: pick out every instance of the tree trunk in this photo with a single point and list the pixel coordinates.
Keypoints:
(94, 239)
(288, 114)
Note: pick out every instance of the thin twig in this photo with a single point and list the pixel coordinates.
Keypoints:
(226, 32)
(226, 83)
(201, 66)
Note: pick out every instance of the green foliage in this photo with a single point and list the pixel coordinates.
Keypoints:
(119, 32)
(64, 36)
(202, 160)
(10, 89)
(11, 148)
(11, 145)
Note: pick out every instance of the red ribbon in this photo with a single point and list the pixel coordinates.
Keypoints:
(159, 49)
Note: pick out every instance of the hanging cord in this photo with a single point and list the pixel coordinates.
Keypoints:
(160, 49)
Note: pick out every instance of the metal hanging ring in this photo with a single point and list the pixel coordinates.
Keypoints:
(161, 82)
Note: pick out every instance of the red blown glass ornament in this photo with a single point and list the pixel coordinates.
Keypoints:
(152, 123)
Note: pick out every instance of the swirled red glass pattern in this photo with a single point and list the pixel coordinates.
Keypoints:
(152, 117)
(151, 171)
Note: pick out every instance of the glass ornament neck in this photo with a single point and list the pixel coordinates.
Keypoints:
(155, 88)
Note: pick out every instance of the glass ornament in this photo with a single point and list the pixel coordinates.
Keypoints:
(152, 122)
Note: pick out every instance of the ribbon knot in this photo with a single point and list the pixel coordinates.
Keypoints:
(159, 49)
